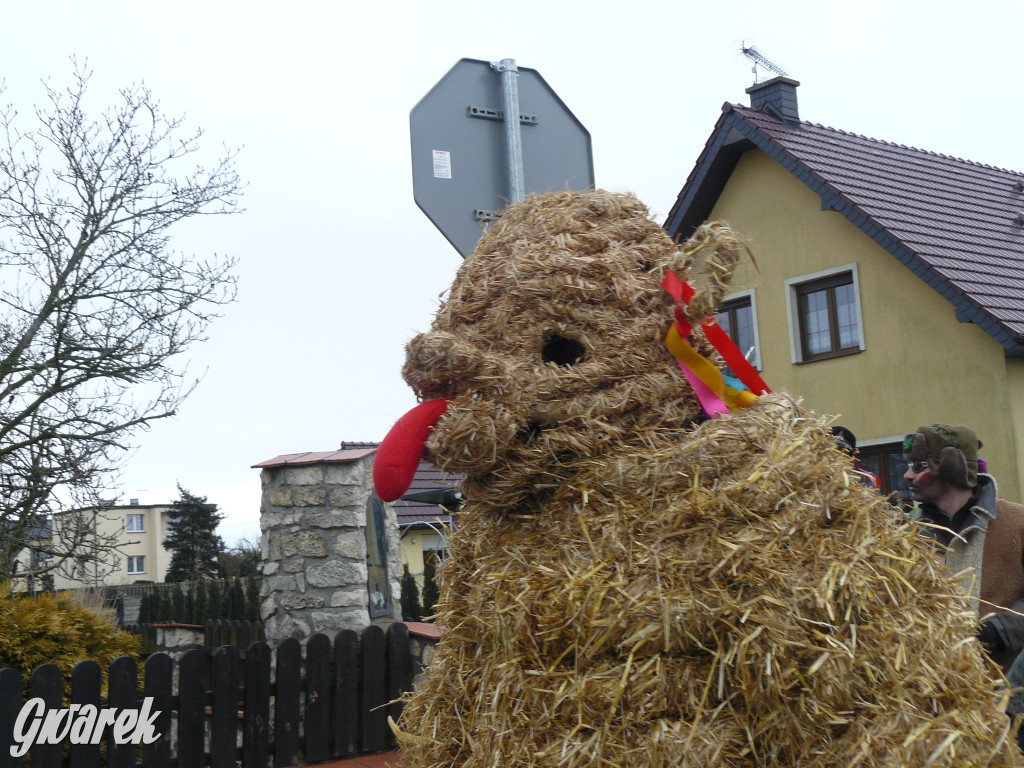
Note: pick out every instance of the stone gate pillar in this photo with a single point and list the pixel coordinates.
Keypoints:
(329, 545)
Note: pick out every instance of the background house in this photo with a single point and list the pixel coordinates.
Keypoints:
(425, 518)
(121, 545)
(889, 285)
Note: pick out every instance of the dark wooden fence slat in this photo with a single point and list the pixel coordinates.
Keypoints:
(158, 685)
(256, 721)
(223, 632)
(224, 724)
(191, 709)
(286, 703)
(121, 693)
(317, 717)
(86, 682)
(399, 671)
(345, 717)
(245, 636)
(10, 708)
(47, 683)
(375, 691)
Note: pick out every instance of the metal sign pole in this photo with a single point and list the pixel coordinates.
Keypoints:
(513, 139)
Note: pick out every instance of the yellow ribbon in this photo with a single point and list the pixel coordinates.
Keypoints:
(704, 370)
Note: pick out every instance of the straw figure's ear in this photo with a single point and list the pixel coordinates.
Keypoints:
(710, 258)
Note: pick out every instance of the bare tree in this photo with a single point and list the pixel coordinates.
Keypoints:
(95, 307)
(241, 558)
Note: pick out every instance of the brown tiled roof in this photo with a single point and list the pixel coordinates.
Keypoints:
(957, 225)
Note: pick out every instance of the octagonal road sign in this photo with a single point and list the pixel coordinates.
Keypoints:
(460, 178)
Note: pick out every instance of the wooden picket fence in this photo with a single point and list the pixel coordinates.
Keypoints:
(235, 632)
(217, 632)
(270, 708)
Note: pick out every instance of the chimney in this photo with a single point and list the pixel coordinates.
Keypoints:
(777, 96)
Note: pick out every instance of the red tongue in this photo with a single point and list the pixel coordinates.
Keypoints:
(399, 453)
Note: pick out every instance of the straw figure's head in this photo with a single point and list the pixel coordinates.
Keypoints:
(551, 342)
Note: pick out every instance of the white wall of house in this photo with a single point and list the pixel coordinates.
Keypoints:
(139, 530)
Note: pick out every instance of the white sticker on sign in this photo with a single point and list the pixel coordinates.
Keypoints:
(442, 164)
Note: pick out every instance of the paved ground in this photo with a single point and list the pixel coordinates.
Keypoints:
(387, 760)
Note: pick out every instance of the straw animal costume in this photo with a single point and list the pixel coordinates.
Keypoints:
(632, 584)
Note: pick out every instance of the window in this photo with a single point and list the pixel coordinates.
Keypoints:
(135, 523)
(736, 317)
(136, 564)
(825, 314)
(377, 560)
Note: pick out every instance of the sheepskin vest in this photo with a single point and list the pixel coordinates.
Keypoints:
(989, 544)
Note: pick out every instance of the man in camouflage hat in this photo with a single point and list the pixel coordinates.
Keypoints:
(975, 528)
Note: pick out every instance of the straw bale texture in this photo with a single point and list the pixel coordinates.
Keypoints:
(631, 585)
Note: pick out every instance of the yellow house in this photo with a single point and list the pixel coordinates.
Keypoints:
(425, 518)
(889, 287)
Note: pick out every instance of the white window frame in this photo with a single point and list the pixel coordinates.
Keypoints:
(793, 308)
(136, 560)
(133, 516)
(752, 295)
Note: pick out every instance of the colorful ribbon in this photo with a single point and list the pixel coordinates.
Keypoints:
(718, 394)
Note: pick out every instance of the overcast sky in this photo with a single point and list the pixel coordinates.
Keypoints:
(338, 268)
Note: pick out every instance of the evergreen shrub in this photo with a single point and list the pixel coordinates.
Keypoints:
(52, 629)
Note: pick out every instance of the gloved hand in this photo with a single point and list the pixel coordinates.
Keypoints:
(990, 637)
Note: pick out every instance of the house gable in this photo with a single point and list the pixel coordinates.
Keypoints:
(901, 378)
(902, 319)
(955, 225)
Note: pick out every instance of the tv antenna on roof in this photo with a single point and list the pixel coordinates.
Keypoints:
(758, 58)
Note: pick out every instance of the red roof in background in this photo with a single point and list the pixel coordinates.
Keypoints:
(343, 456)
(958, 225)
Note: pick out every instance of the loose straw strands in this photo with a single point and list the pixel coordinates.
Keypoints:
(732, 620)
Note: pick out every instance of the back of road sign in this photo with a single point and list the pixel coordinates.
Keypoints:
(459, 172)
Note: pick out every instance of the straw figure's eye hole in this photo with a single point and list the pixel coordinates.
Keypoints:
(561, 351)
